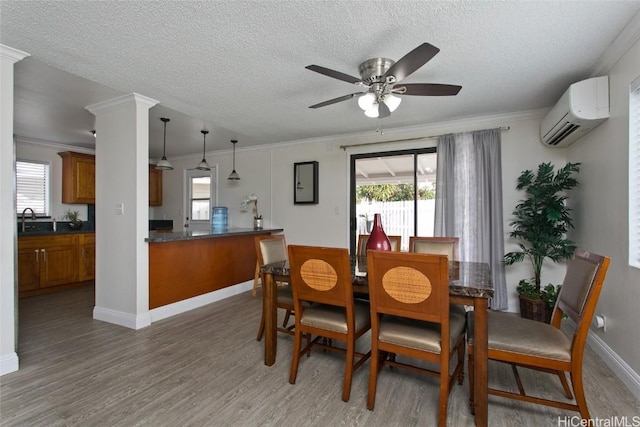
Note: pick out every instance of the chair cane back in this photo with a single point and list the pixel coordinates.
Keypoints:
(409, 300)
(321, 278)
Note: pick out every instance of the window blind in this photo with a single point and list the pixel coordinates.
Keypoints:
(634, 173)
(32, 186)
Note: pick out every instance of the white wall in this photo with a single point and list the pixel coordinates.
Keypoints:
(601, 206)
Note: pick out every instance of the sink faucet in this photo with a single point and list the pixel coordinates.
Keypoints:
(33, 216)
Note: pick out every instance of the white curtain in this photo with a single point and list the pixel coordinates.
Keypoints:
(469, 201)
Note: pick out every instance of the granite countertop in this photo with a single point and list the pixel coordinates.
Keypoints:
(45, 228)
(160, 237)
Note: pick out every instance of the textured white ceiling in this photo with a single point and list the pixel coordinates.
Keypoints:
(236, 68)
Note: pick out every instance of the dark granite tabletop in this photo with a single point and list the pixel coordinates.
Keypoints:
(467, 279)
(160, 237)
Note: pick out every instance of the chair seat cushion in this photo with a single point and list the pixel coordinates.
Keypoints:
(334, 318)
(457, 310)
(419, 334)
(514, 334)
(284, 295)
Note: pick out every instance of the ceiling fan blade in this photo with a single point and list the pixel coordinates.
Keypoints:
(332, 73)
(412, 61)
(335, 100)
(383, 110)
(426, 89)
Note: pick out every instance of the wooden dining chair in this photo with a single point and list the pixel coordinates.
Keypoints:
(409, 300)
(544, 347)
(321, 277)
(448, 246)
(435, 245)
(273, 248)
(396, 244)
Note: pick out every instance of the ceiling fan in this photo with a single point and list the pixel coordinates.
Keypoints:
(382, 77)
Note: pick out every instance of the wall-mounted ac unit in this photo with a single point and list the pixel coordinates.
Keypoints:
(582, 107)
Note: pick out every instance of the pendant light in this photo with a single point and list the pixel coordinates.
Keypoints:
(164, 164)
(203, 165)
(234, 175)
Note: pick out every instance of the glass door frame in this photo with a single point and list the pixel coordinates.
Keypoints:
(353, 221)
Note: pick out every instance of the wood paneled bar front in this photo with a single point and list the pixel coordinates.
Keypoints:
(186, 264)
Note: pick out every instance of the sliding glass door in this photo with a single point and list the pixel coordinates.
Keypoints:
(400, 185)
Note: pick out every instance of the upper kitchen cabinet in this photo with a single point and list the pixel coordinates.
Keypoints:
(78, 178)
(155, 186)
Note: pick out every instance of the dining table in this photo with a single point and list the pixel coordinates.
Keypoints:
(470, 284)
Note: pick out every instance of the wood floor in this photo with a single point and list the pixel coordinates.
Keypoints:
(205, 368)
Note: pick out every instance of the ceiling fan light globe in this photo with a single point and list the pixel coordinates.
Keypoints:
(366, 101)
(392, 102)
(372, 112)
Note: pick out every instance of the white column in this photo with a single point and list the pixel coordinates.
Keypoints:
(122, 210)
(8, 231)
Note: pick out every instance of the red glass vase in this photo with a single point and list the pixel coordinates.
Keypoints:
(378, 239)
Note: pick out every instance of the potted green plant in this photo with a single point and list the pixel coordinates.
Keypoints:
(75, 223)
(541, 222)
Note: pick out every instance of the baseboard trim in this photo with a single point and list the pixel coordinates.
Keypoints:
(196, 302)
(9, 363)
(620, 368)
(628, 376)
(128, 320)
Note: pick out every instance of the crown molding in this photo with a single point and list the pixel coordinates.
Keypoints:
(54, 145)
(409, 132)
(13, 55)
(122, 100)
(420, 131)
(627, 37)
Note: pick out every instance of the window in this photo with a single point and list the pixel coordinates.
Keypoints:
(32, 186)
(634, 173)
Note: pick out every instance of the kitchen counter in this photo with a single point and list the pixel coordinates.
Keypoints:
(186, 264)
(45, 228)
(159, 237)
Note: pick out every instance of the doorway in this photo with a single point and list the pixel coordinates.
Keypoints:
(400, 185)
(200, 196)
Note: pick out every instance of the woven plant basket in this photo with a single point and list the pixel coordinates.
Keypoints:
(535, 309)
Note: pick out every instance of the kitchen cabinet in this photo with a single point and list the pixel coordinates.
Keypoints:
(50, 262)
(155, 186)
(87, 257)
(47, 261)
(79, 180)
(78, 177)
